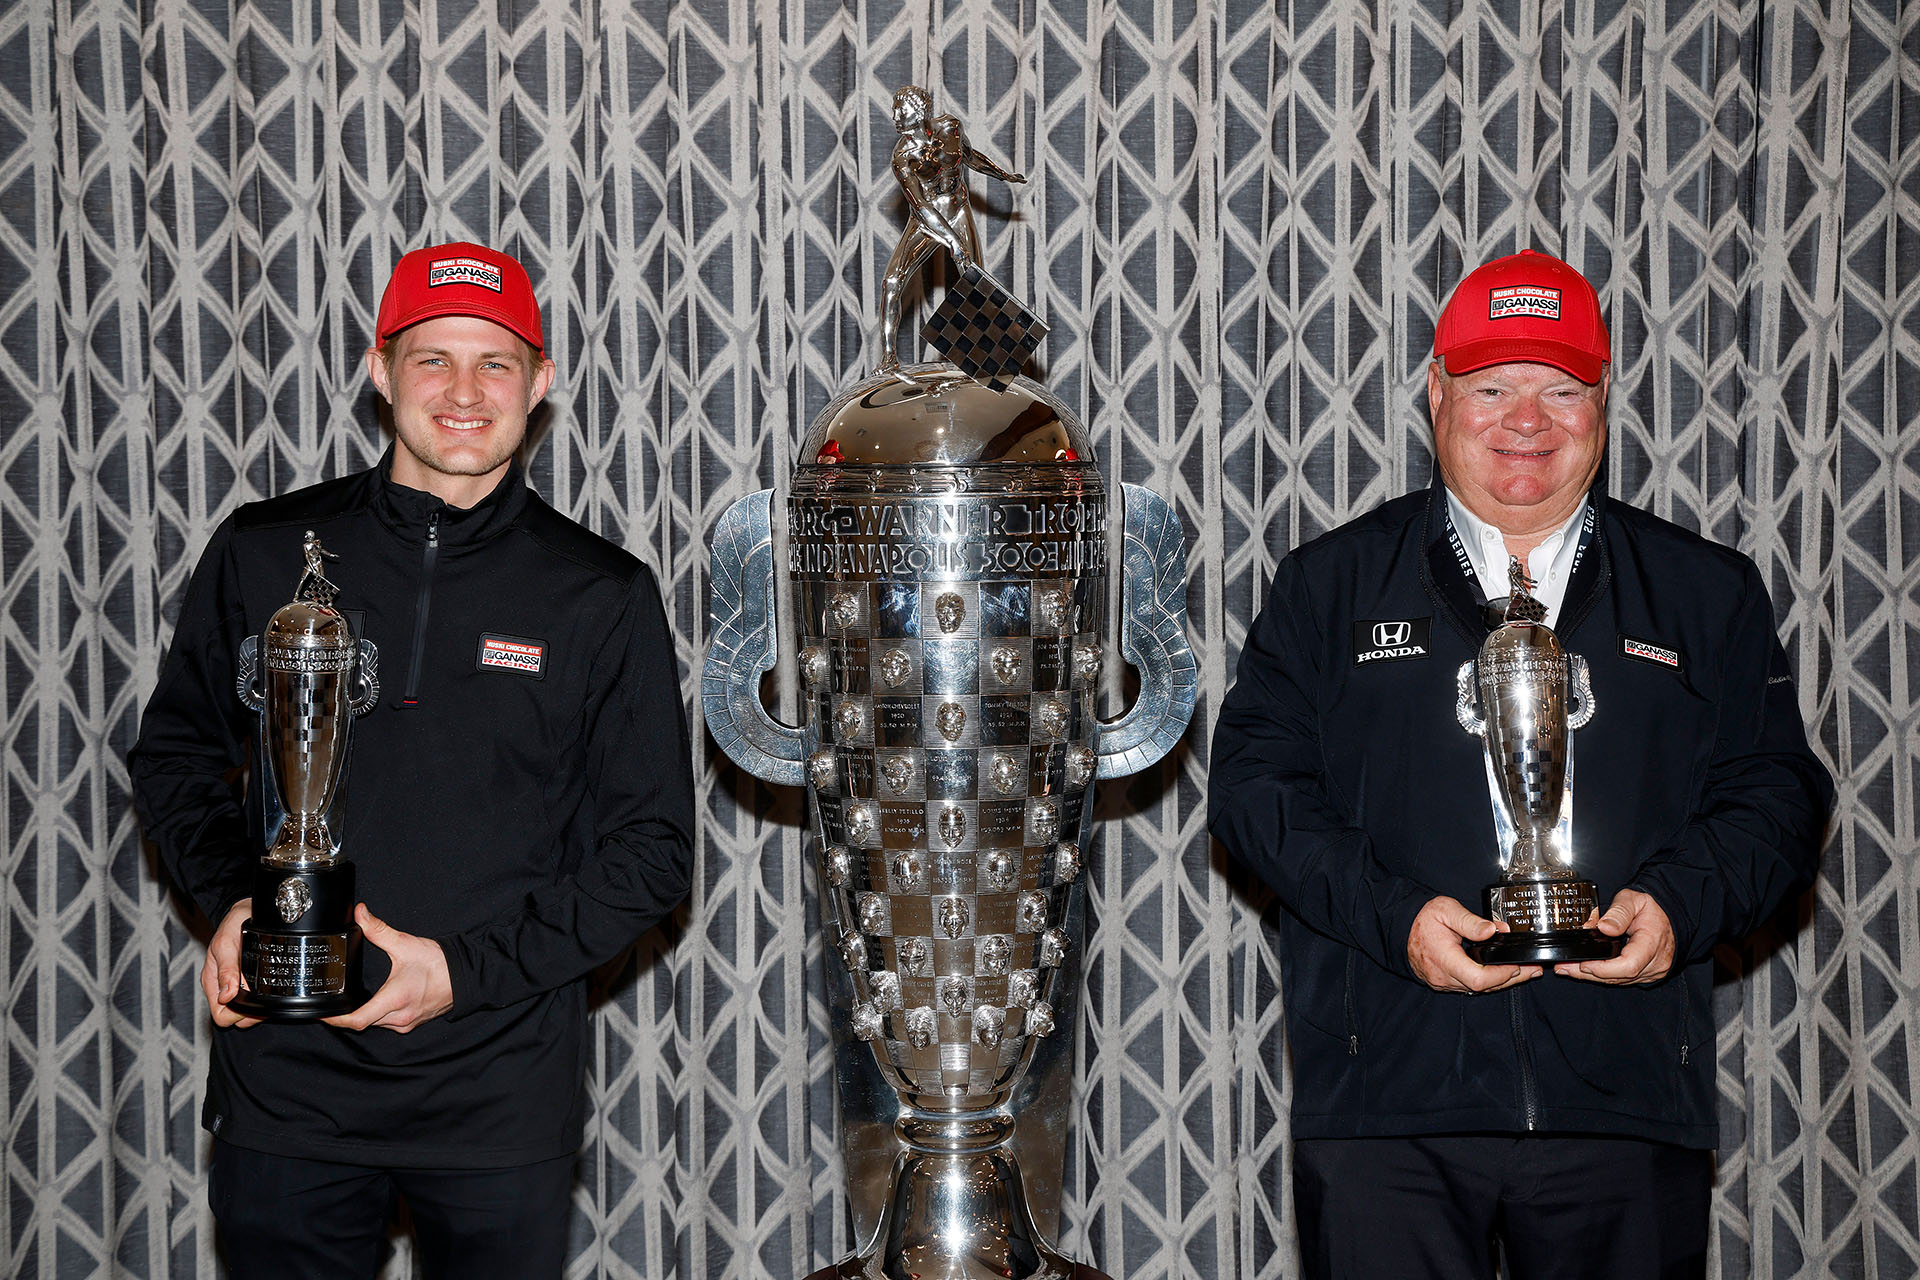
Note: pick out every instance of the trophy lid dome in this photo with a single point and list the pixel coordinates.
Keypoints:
(308, 624)
(947, 419)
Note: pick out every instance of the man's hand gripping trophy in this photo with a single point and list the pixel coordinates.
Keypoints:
(930, 160)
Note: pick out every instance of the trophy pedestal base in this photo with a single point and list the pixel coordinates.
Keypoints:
(1548, 919)
(300, 954)
(958, 1213)
(296, 1008)
(1079, 1272)
(1564, 946)
(298, 977)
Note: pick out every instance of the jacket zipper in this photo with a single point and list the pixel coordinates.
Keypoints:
(1686, 1028)
(411, 698)
(1353, 1013)
(1529, 1093)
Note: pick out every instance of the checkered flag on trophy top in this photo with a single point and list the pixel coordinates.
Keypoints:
(984, 330)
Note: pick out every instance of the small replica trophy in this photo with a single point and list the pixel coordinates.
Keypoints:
(1523, 717)
(300, 953)
(947, 550)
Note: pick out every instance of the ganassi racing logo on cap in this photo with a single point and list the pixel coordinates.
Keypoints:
(1523, 300)
(1389, 640)
(513, 653)
(463, 271)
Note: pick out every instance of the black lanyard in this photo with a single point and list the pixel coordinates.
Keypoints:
(1493, 611)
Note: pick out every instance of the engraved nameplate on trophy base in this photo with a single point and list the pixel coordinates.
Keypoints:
(1548, 923)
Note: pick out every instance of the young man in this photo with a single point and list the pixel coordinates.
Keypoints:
(1567, 1116)
(514, 820)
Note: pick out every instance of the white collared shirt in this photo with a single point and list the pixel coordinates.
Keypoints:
(1550, 564)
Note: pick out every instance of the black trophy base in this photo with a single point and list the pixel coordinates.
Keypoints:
(300, 953)
(298, 1008)
(1564, 946)
(1548, 918)
(1080, 1272)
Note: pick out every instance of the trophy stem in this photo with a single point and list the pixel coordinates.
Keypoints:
(957, 1210)
(302, 841)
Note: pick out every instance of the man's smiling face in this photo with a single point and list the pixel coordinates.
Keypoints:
(1518, 444)
(461, 388)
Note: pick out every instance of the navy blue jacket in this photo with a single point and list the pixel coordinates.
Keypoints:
(1341, 776)
(533, 821)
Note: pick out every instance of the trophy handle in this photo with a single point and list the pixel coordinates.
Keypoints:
(1579, 692)
(1153, 636)
(742, 647)
(246, 681)
(366, 680)
(1464, 707)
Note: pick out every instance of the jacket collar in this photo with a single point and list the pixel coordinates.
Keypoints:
(1457, 596)
(408, 511)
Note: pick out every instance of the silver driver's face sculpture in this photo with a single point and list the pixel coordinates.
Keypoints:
(948, 552)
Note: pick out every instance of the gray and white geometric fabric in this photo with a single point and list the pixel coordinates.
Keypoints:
(1241, 219)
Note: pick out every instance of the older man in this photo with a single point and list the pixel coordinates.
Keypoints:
(1560, 1116)
(519, 809)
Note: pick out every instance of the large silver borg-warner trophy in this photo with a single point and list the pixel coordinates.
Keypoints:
(307, 677)
(1521, 696)
(947, 549)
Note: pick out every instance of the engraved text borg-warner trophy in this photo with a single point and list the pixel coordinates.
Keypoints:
(947, 550)
(1522, 715)
(307, 677)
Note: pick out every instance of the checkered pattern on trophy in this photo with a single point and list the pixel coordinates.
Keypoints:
(950, 727)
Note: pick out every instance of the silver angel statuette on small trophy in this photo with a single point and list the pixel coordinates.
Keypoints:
(947, 552)
(308, 677)
(1515, 697)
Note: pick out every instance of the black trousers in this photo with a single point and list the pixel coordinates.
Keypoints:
(1557, 1207)
(285, 1218)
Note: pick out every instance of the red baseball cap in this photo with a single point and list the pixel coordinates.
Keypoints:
(459, 279)
(1525, 307)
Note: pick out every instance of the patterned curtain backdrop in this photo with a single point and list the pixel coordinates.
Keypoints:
(1241, 221)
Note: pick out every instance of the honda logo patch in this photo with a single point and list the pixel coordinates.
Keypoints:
(1389, 640)
(1390, 635)
(1523, 300)
(1648, 651)
(521, 656)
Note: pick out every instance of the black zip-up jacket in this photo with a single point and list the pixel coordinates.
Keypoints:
(533, 822)
(1341, 775)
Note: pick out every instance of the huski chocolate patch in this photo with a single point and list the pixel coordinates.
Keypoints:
(521, 656)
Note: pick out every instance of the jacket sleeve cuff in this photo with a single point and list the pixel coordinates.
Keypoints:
(465, 983)
(1397, 925)
(234, 882)
(1673, 886)
(226, 902)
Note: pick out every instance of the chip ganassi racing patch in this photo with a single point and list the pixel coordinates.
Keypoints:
(1523, 300)
(1391, 639)
(517, 654)
(462, 271)
(1647, 651)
